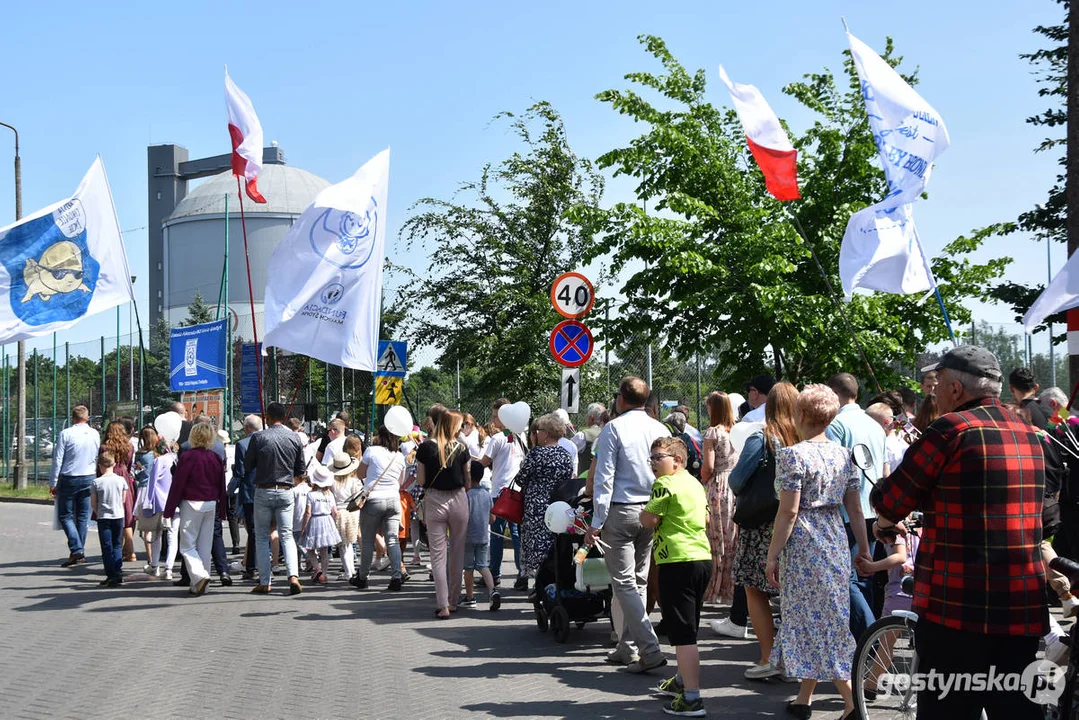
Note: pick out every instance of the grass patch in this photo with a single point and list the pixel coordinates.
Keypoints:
(40, 492)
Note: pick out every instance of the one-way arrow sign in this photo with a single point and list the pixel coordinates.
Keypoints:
(571, 389)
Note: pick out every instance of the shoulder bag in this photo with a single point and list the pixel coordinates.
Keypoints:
(757, 503)
(356, 501)
(510, 503)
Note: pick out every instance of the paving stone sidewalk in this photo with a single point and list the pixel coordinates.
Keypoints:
(69, 649)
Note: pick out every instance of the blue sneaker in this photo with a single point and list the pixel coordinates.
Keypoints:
(683, 708)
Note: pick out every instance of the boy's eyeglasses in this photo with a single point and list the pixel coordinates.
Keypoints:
(658, 457)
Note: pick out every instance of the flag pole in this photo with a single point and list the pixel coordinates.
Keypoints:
(228, 327)
(828, 284)
(936, 289)
(251, 295)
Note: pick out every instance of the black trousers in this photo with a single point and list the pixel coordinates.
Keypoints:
(249, 528)
(954, 653)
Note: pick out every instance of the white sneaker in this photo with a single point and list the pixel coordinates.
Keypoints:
(1057, 652)
(1070, 606)
(763, 672)
(148, 569)
(343, 575)
(726, 628)
(159, 572)
(622, 656)
(383, 564)
(236, 566)
(168, 574)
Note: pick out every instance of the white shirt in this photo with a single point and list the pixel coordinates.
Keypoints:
(896, 449)
(570, 447)
(333, 448)
(506, 457)
(695, 434)
(472, 442)
(623, 469)
(754, 415)
(385, 470)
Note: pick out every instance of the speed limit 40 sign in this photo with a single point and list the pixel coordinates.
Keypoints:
(572, 295)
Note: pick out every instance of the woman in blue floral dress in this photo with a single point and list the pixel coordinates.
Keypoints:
(809, 559)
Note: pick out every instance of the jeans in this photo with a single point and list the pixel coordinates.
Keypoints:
(73, 497)
(627, 562)
(498, 546)
(271, 504)
(955, 653)
(380, 514)
(861, 588)
(111, 535)
(197, 537)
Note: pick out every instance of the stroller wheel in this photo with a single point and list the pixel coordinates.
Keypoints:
(541, 618)
(560, 624)
(580, 624)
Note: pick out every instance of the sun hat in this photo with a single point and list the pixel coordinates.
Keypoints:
(320, 476)
(343, 464)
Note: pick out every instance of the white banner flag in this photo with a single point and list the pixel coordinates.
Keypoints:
(324, 281)
(1062, 293)
(881, 249)
(63, 263)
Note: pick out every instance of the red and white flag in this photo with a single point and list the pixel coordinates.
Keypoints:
(246, 132)
(768, 142)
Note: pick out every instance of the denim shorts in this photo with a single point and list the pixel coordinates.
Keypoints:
(477, 556)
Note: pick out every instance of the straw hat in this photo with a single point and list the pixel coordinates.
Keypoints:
(320, 476)
(344, 464)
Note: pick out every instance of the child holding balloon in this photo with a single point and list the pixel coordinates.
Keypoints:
(478, 540)
(678, 510)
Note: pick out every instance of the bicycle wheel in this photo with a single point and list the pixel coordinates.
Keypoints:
(887, 648)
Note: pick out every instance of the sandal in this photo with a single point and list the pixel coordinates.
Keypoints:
(440, 616)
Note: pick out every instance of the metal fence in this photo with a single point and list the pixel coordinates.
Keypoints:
(104, 375)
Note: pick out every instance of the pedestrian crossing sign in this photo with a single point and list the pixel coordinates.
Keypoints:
(392, 357)
(389, 390)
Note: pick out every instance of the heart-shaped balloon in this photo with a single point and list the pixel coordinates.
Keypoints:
(736, 402)
(516, 416)
(559, 517)
(741, 431)
(398, 420)
(168, 425)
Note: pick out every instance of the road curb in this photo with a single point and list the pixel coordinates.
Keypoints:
(28, 501)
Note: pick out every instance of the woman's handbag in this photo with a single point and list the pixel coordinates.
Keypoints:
(510, 503)
(356, 501)
(757, 503)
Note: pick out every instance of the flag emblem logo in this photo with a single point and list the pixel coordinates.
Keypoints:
(332, 293)
(52, 272)
(346, 239)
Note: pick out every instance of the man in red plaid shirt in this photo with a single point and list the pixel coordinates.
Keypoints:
(978, 474)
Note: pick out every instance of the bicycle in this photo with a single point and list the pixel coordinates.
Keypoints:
(886, 650)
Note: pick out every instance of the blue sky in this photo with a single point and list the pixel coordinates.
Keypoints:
(334, 83)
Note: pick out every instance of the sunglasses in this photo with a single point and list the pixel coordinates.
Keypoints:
(658, 457)
(62, 273)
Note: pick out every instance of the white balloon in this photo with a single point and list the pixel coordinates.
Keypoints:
(168, 425)
(736, 402)
(398, 420)
(515, 417)
(741, 431)
(559, 517)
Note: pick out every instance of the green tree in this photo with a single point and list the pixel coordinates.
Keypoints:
(482, 295)
(724, 270)
(1045, 222)
(198, 312)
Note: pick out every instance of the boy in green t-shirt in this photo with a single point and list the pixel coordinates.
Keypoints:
(678, 511)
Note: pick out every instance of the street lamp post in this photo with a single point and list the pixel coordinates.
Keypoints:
(20, 399)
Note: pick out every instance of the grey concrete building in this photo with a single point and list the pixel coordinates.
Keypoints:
(186, 228)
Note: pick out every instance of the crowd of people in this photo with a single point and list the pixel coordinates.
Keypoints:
(778, 513)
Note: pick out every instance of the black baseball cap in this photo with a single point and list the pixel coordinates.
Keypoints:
(762, 384)
(969, 359)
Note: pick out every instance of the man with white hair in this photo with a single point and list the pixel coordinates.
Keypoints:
(1053, 399)
(894, 447)
(979, 580)
(593, 421)
(244, 480)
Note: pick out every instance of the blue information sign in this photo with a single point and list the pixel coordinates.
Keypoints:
(392, 356)
(249, 378)
(197, 356)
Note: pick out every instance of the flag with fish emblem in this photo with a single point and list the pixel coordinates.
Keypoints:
(63, 263)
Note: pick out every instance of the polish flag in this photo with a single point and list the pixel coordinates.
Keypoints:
(768, 142)
(246, 132)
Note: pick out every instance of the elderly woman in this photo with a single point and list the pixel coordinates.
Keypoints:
(808, 558)
(198, 491)
(545, 468)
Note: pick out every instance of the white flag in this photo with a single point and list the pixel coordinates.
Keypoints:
(324, 281)
(63, 262)
(1061, 294)
(881, 249)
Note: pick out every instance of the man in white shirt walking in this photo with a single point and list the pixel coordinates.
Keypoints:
(74, 467)
(623, 487)
(757, 391)
(504, 455)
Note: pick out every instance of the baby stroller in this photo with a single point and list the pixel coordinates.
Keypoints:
(559, 601)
